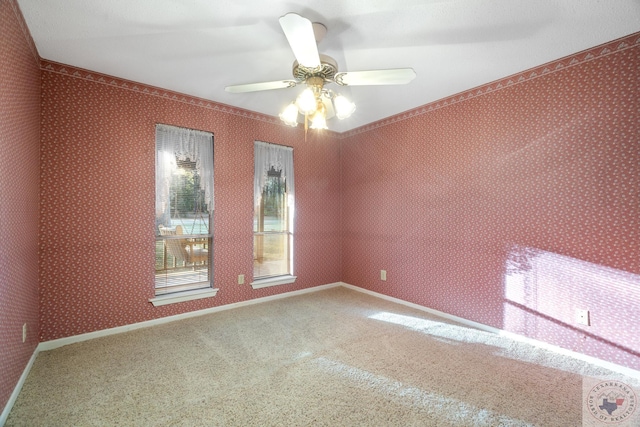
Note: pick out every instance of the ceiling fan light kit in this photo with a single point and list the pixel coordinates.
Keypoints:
(344, 107)
(319, 118)
(311, 103)
(316, 103)
(290, 115)
(307, 100)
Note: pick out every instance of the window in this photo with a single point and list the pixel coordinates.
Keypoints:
(184, 211)
(273, 215)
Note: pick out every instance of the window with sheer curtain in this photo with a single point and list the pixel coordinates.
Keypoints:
(184, 209)
(274, 192)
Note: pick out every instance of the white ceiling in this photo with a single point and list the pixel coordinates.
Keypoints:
(197, 47)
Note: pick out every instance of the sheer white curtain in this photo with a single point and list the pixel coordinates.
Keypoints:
(174, 142)
(280, 158)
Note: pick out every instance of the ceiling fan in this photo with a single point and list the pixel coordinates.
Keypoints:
(317, 103)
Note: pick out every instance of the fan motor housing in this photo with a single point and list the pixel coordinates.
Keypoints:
(327, 69)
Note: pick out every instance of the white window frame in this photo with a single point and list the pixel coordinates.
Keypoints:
(197, 146)
(280, 158)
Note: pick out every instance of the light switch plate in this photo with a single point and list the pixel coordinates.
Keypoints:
(582, 317)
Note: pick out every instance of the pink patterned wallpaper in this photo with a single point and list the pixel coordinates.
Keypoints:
(97, 200)
(19, 180)
(512, 205)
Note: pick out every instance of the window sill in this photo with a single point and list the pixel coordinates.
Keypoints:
(273, 281)
(183, 296)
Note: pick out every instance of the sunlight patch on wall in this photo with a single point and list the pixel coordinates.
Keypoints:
(543, 291)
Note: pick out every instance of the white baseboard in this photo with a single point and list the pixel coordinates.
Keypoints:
(49, 345)
(541, 344)
(17, 389)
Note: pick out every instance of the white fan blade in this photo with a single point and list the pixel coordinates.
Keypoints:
(397, 76)
(255, 87)
(299, 32)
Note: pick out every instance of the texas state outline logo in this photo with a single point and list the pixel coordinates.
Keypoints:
(611, 402)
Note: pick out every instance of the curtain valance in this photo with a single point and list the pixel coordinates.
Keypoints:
(278, 157)
(175, 143)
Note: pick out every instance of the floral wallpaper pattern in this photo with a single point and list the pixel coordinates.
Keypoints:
(97, 200)
(513, 204)
(19, 180)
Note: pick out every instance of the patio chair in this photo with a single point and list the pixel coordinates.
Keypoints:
(183, 249)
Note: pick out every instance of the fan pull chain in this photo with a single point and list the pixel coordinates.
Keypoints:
(306, 126)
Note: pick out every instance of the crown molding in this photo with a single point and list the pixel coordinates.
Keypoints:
(614, 46)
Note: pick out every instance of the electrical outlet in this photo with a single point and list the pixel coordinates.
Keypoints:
(383, 274)
(582, 317)
(240, 279)
(24, 332)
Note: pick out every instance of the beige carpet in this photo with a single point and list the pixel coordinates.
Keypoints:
(335, 357)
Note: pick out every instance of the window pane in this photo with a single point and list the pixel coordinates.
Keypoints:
(270, 254)
(174, 273)
(272, 221)
(187, 206)
(272, 215)
(184, 226)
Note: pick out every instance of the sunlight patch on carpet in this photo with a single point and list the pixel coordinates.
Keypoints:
(442, 330)
(445, 408)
